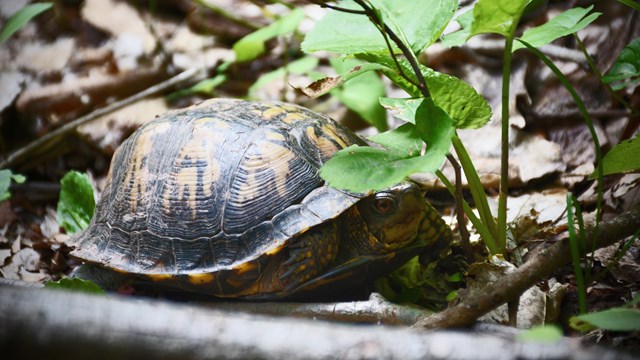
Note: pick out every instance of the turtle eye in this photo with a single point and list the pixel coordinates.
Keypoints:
(384, 204)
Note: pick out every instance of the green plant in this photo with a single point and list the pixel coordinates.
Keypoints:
(74, 284)
(246, 49)
(19, 19)
(6, 177)
(624, 318)
(76, 204)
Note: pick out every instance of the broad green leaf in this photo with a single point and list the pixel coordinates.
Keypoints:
(625, 72)
(569, 22)
(436, 129)
(76, 204)
(615, 319)
(420, 22)
(433, 124)
(497, 16)
(361, 93)
(459, 37)
(77, 285)
(403, 139)
(467, 108)
(298, 67)
(403, 109)
(622, 157)
(325, 84)
(252, 45)
(365, 168)
(541, 334)
(19, 19)
(6, 176)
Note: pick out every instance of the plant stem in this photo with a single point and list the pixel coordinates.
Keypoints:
(574, 243)
(504, 156)
(596, 71)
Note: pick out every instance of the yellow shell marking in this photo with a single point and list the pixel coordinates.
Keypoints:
(203, 141)
(280, 167)
(159, 277)
(275, 250)
(326, 146)
(198, 279)
(246, 267)
(293, 117)
(272, 135)
(272, 112)
(137, 176)
(332, 132)
(278, 160)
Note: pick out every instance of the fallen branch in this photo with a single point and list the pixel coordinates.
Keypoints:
(376, 310)
(50, 140)
(511, 286)
(56, 324)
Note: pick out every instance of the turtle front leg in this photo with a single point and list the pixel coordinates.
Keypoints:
(309, 255)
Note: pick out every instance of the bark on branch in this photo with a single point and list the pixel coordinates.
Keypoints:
(511, 286)
(56, 324)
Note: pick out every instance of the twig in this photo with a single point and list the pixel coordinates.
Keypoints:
(387, 32)
(512, 285)
(226, 14)
(50, 139)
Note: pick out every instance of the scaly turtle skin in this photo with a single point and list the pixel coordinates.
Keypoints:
(224, 198)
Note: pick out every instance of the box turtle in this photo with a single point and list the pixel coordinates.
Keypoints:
(224, 198)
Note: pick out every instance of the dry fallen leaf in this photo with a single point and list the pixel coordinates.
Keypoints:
(39, 56)
(108, 131)
(11, 83)
(122, 19)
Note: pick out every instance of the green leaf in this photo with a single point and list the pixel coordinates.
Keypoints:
(298, 67)
(622, 158)
(420, 22)
(433, 124)
(74, 284)
(458, 38)
(403, 139)
(497, 16)
(467, 108)
(569, 22)
(403, 109)
(631, 3)
(615, 319)
(625, 72)
(541, 334)
(19, 19)
(5, 182)
(76, 204)
(365, 168)
(436, 129)
(6, 176)
(253, 45)
(361, 93)
(370, 168)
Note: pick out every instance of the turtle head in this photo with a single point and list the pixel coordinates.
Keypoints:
(393, 217)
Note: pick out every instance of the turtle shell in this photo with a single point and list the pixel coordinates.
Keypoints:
(214, 186)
